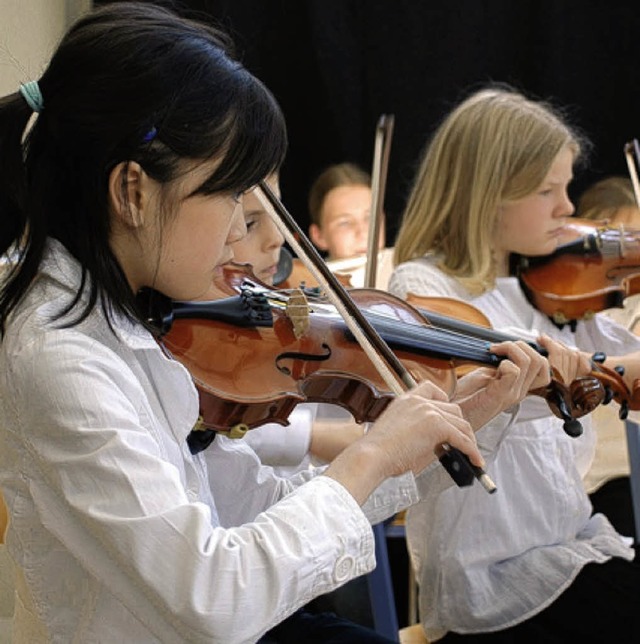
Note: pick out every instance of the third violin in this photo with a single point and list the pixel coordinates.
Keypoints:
(596, 269)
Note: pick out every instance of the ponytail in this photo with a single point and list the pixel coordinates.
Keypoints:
(14, 116)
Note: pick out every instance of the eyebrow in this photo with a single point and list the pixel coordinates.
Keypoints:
(557, 182)
(345, 215)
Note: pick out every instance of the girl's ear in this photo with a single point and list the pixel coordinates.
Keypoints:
(316, 236)
(128, 193)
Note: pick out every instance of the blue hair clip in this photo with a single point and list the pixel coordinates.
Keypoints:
(150, 135)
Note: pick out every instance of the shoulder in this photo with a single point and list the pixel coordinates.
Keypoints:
(422, 276)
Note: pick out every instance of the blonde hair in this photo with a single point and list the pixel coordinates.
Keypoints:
(605, 198)
(335, 176)
(497, 145)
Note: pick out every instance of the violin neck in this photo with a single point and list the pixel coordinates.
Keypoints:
(473, 330)
(432, 341)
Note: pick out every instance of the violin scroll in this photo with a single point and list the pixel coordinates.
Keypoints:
(615, 386)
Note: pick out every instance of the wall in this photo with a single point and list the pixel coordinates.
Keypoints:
(29, 32)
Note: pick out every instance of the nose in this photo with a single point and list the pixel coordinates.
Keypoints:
(273, 238)
(363, 228)
(565, 208)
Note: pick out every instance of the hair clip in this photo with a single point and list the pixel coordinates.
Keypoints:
(150, 135)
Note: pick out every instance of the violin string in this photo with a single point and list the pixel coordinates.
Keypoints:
(444, 342)
(449, 343)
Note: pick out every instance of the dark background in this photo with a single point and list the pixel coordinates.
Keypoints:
(336, 65)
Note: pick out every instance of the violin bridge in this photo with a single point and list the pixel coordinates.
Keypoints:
(297, 310)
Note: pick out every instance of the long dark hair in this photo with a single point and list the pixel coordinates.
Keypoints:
(129, 82)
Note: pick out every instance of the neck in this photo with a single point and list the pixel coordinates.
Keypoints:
(502, 263)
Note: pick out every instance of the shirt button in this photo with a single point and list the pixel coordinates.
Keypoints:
(344, 566)
(192, 494)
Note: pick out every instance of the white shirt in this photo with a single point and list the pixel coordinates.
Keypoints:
(285, 447)
(487, 562)
(611, 459)
(116, 529)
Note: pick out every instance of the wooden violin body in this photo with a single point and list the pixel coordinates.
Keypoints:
(596, 270)
(255, 355)
(300, 275)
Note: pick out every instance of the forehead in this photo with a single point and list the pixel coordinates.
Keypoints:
(561, 170)
(251, 202)
(193, 173)
(345, 200)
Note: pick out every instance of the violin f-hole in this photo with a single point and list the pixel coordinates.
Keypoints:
(303, 357)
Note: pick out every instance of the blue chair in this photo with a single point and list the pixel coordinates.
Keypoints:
(380, 582)
(633, 445)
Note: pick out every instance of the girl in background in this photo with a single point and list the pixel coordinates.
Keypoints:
(340, 201)
(532, 564)
(607, 481)
(306, 438)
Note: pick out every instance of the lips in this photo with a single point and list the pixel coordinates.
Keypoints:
(225, 261)
(271, 270)
(564, 234)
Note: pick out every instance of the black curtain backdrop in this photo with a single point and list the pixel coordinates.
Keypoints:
(336, 65)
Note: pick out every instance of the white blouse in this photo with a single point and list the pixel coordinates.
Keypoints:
(118, 532)
(487, 562)
(285, 447)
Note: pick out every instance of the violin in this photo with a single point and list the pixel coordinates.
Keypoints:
(350, 272)
(595, 270)
(292, 273)
(292, 347)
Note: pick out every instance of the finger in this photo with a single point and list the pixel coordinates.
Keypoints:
(429, 390)
(445, 409)
(571, 362)
(453, 416)
(458, 437)
(534, 368)
(519, 352)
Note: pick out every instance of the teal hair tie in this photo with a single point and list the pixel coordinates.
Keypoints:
(32, 94)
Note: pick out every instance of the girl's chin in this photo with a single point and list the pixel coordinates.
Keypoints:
(265, 276)
(545, 249)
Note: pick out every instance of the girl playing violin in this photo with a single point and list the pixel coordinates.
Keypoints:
(311, 437)
(340, 208)
(124, 166)
(533, 565)
(294, 446)
(607, 481)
